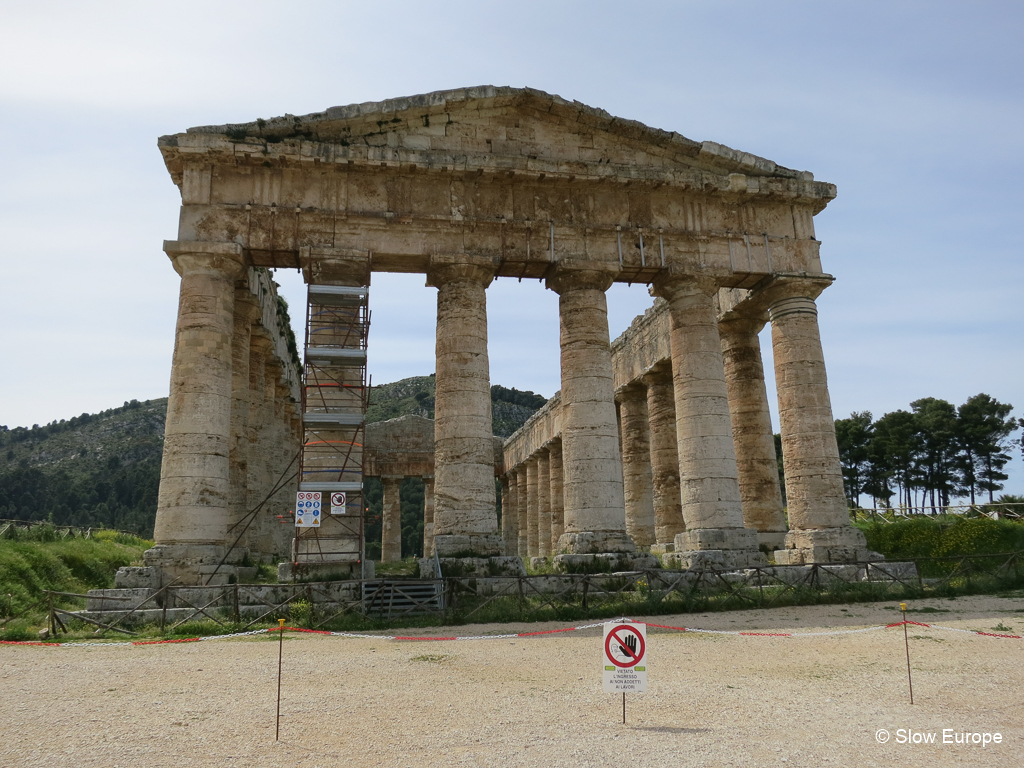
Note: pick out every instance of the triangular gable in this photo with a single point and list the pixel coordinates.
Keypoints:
(500, 128)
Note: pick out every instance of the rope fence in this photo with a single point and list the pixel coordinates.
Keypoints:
(515, 635)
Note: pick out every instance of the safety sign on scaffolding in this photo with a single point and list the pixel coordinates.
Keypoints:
(307, 509)
(625, 657)
(338, 503)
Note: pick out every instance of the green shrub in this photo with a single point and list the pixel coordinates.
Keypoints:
(931, 537)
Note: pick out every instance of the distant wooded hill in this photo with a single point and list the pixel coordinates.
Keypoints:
(103, 469)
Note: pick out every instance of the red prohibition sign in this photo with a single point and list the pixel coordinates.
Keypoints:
(614, 635)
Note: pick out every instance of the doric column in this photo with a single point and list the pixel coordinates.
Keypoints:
(428, 516)
(752, 430)
(464, 515)
(510, 513)
(661, 410)
(712, 509)
(557, 505)
(636, 464)
(595, 518)
(819, 521)
(532, 506)
(192, 509)
(391, 520)
(543, 504)
(522, 493)
(247, 311)
(257, 466)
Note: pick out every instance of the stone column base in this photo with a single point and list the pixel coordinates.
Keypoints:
(472, 566)
(454, 545)
(595, 542)
(825, 545)
(189, 564)
(288, 573)
(716, 548)
(606, 562)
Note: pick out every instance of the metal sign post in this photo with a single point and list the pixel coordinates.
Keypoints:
(625, 654)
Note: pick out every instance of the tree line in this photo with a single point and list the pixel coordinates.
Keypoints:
(928, 455)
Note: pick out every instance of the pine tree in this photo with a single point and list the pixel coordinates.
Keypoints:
(854, 438)
(984, 429)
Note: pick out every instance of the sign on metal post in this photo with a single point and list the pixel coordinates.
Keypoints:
(338, 502)
(307, 509)
(625, 658)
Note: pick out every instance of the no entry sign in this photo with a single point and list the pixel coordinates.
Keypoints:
(307, 509)
(625, 658)
(338, 503)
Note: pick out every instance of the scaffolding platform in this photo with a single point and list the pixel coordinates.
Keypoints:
(335, 395)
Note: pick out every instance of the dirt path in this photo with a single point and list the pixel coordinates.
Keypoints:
(713, 700)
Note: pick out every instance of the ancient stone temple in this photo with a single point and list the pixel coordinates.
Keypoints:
(661, 444)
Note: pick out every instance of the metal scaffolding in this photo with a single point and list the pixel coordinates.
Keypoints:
(334, 399)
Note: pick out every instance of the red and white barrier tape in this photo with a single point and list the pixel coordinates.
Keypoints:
(404, 638)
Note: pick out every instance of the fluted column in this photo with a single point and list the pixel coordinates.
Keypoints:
(510, 513)
(257, 465)
(522, 493)
(661, 410)
(712, 508)
(532, 502)
(636, 464)
(752, 430)
(247, 311)
(391, 520)
(595, 518)
(819, 522)
(464, 515)
(428, 516)
(543, 504)
(557, 505)
(192, 507)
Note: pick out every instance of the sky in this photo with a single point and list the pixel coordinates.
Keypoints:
(915, 110)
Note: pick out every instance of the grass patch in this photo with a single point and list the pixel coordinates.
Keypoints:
(408, 568)
(38, 560)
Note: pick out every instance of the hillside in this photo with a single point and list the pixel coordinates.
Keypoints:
(510, 408)
(103, 470)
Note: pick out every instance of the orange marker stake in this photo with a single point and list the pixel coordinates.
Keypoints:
(280, 653)
(906, 642)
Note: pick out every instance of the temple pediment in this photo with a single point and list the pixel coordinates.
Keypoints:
(492, 129)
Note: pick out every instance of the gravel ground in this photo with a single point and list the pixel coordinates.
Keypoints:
(713, 700)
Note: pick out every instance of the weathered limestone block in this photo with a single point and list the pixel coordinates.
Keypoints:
(752, 430)
(594, 516)
(661, 409)
(819, 521)
(391, 521)
(712, 508)
(465, 519)
(636, 465)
